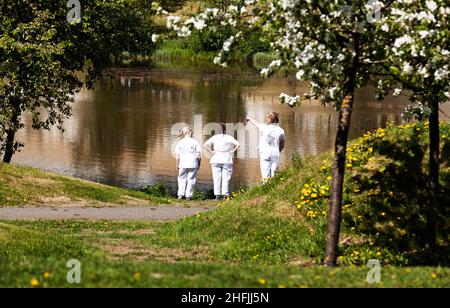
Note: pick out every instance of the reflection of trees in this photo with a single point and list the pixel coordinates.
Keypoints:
(125, 123)
(120, 127)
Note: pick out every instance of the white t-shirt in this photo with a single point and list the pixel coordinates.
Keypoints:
(269, 144)
(189, 151)
(222, 144)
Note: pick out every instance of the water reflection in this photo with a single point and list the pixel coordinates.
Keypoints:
(120, 133)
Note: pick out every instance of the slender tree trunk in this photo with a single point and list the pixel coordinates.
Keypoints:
(10, 136)
(9, 146)
(433, 205)
(337, 182)
(340, 151)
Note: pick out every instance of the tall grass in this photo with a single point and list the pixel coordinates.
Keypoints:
(263, 59)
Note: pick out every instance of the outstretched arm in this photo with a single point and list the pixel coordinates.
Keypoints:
(253, 121)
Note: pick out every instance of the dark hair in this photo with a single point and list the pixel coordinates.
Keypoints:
(224, 127)
(274, 117)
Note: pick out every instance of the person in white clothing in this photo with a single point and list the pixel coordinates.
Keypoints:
(222, 146)
(271, 144)
(188, 154)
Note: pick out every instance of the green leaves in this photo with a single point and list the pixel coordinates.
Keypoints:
(40, 53)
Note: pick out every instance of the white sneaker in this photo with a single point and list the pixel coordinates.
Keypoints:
(180, 197)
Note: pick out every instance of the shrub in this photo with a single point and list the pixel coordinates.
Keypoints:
(385, 196)
(156, 190)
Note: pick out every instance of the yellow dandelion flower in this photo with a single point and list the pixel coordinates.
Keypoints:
(46, 275)
(262, 281)
(34, 282)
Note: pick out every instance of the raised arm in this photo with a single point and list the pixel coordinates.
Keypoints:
(253, 121)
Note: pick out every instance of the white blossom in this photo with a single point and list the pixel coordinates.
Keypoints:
(405, 39)
(407, 68)
(300, 74)
(431, 5)
(290, 100)
(441, 73)
(397, 92)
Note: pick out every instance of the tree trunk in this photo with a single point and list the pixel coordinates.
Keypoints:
(337, 182)
(9, 146)
(10, 136)
(433, 206)
(340, 151)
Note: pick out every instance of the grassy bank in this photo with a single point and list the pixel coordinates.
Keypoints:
(30, 186)
(272, 235)
(284, 221)
(34, 254)
(180, 50)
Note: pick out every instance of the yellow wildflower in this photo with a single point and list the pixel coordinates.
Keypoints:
(34, 282)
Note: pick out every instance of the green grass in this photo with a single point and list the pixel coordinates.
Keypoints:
(263, 59)
(39, 251)
(284, 221)
(177, 49)
(29, 186)
(267, 236)
(261, 226)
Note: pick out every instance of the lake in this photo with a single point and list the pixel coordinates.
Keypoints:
(122, 132)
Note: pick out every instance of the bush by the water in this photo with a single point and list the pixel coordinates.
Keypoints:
(156, 190)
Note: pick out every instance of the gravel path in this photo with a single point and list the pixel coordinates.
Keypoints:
(156, 213)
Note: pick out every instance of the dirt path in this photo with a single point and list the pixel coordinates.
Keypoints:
(155, 213)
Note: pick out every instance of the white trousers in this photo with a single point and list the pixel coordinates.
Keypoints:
(269, 166)
(186, 181)
(221, 177)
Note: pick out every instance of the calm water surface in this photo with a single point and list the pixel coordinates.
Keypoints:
(121, 133)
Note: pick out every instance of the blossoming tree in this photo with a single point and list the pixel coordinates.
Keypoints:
(419, 33)
(337, 46)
